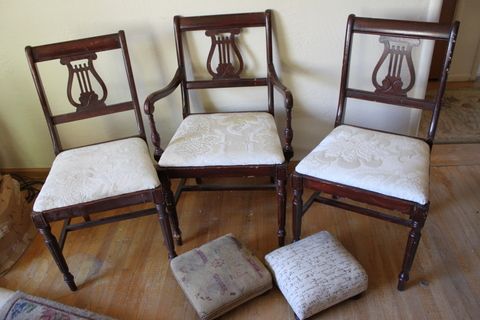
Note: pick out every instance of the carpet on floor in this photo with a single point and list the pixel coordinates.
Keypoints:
(22, 306)
(459, 120)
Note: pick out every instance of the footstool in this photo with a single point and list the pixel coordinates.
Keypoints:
(219, 276)
(316, 273)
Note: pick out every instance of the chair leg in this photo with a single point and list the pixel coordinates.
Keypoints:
(54, 249)
(281, 181)
(171, 208)
(166, 229)
(414, 236)
(297, 206)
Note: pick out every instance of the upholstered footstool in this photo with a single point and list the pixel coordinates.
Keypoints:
(316, 273)
(219, 276)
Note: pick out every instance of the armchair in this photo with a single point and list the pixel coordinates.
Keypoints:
(223, 144)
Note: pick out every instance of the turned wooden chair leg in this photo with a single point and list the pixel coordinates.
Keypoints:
(411, 249)
(54, 249)
(297, 207)
(171, 209)
(166, 229)
(281, 181)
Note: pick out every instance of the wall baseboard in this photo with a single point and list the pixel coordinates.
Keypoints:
(33, 173)
(460, 77)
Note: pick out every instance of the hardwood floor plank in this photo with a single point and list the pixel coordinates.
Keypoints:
(122, 269)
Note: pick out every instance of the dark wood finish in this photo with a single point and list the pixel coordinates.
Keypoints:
(399, 100)
(223, 31)
(89, 104)
(397, 51)
(393, 91)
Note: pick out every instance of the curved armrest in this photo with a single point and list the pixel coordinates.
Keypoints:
(153, 97)
(149, 109)
(288, 101)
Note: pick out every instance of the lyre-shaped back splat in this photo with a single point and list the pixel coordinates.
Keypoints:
(227, 54)
(81, 71)
(397, 50)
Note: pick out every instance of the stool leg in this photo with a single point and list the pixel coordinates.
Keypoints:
(54, 249)
(358, 296)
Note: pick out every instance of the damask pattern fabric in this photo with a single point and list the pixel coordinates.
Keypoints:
(389, 164)
(316, 273)
(221, 139)
(96, 172)
(219, 276)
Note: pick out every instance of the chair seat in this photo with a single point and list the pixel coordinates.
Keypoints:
(224, 139)
(388, 164)
(97, 172)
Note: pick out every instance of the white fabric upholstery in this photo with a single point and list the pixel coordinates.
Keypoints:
(316, 273)
(385, 163)
(96, 172)
(221, 139)
(5, 294)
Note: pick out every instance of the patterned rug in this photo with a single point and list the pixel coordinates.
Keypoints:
(459, 120)
(22, 306)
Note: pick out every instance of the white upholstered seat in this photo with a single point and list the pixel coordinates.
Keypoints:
(97, 172)
(385, 163)
(224, 139)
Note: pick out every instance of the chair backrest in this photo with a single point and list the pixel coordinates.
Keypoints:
(394, 74)
(225, 63)
(78, 57)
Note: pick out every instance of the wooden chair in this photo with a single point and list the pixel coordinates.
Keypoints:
(99, 177)
(378, 168)
(223, 144)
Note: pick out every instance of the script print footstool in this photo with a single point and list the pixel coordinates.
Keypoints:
(316, 273)
(219, 276)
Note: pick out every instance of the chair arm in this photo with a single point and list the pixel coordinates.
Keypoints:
(288, 101)
(149, 109)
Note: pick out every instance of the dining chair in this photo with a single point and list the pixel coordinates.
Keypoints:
(212, 141)
(368, 170)
(97, 177)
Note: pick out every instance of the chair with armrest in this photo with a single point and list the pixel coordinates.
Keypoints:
(99, 177)
(223, 144)
(381, 169)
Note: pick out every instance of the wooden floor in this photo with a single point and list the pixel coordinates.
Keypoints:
(122, 269)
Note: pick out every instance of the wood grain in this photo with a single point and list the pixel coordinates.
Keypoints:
(122, 270)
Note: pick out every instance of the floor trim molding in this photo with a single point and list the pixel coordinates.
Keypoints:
(34, 173)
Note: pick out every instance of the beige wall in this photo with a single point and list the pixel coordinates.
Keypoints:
(465, 63)
(309, 37)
